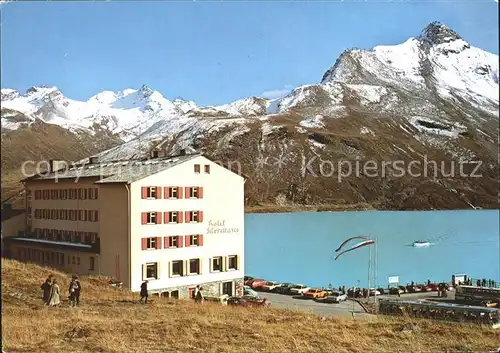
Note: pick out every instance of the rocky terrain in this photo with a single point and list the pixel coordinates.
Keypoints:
(408, 126)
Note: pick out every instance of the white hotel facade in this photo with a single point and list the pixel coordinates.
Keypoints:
(177, 222)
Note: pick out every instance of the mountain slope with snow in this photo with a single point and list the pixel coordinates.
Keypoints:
(433, 95)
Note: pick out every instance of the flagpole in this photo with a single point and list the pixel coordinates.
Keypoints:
(369, 269)
(375, 269)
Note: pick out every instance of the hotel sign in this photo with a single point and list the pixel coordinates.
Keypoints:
(220, 227)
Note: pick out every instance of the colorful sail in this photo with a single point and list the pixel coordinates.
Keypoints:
(357, 246)
(348, 240)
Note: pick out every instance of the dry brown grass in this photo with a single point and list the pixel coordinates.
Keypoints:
(110, 320)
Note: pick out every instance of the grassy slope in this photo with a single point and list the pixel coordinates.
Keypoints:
(110, 321)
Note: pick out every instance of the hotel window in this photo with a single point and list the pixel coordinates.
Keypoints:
(53, 194)
(93, 237)
(173, 192)
(194, 216)
(173, 242)
(150, 271)
(232, 263)
(176, 268)
(64, 194)
(78, 260)
(72, 194)
(78, 237)
(38, 194)
(194, 240)
(207, 168)
(149, 218)
(194, 192)
(45, 194)
(217, 264)
(197, 168)
(61, 214)
(151, 243)
(91, 263)
(173, 217)
(61, 259)
(53, 214)
(82, 215)
(151, 192)
(194, 267)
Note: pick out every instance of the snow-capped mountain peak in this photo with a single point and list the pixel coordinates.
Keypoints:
(413, 80)
(437, 33)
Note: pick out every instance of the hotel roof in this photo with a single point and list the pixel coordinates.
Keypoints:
(124, 171)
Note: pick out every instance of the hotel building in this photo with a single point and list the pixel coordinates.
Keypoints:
(176, 222)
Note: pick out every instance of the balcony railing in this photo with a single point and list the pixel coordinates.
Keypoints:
(95, 247)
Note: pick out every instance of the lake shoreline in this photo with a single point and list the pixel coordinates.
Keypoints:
(339, 208)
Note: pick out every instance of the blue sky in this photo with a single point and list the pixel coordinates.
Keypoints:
(211, 52)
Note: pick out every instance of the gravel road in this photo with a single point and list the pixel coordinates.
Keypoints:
(324, 309)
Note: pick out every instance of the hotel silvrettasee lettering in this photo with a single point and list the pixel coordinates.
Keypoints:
(220, 227)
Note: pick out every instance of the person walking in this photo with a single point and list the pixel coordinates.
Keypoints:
(55, 298)
(199, 295)
(46, 289)
(144, 292)
(74, 291)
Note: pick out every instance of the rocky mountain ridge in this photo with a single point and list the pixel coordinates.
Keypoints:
(433, 96)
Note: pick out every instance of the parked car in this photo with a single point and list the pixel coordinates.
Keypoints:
(248, 302)
(334, 297)
(283, 289)
(248, 291)
(383, 290)
(374, 292)
(396, 291)
(255, 283)
(315, 293)
(299, 289)
(415, 289)
(270, 285)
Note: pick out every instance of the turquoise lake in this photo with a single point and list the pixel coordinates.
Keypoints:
(300, 247)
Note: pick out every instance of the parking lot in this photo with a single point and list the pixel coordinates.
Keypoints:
(323, 309)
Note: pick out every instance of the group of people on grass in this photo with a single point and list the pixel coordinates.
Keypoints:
(52, 291)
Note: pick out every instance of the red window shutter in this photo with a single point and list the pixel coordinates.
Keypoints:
(180, 242)
(179, 192)
(188, 240)
(166, 191)
(200, 239)
(158, 217)
(158, 242)
(200, 216)
(188, 216)
(144, 191)
(165, 217)
(188, 192)
(144, 218)
(200, 192)
(165, 242)
(144, 243)
(158, 192)
(179, 217)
